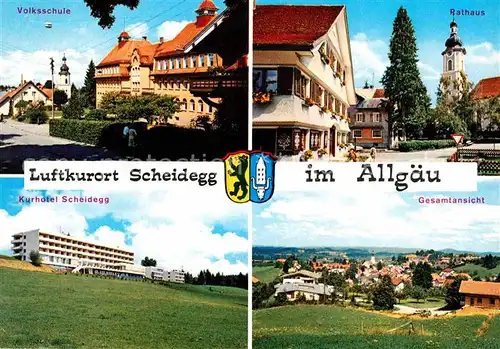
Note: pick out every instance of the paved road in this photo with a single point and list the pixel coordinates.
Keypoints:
(439, 155)
(20, 141)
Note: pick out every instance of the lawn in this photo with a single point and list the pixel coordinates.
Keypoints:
(420, 304)
(70, 311)
(481, 271)
(266, 274)
(318, 327)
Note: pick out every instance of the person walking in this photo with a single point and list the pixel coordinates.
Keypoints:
(132, 141)
(373, 153)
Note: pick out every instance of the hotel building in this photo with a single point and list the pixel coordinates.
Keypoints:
(303, 81)
(137, 67)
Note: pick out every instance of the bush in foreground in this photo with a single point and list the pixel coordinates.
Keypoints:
(35, 258)
(84, 131)
(415, 145)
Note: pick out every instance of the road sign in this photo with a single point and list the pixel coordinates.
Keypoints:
(457, 138)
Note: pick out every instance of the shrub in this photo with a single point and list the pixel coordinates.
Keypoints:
(96, 114)
(74, 109)
(415, 145)
(83, 131)
(35, 258)
(36, 115)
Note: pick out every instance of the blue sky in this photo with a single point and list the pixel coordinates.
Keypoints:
(26, 45)
(380, 220)
(203, 233)
(370, 29)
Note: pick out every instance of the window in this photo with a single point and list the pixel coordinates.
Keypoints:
(193, 61)
(301, 82)
(450, 65)
(184, 104)
(186, 62)
(178, 63)
(356, 133)
(200, 106)
(191, 105)
(164, 64)
(492, 301)
(202, 60)
(210, 59)
(185, 85)
(172, 84)
(316, 93)
(170, 63)
(376, 133)
(315, 140)
(265, 80)
(360, 117)
(178, 84)
(479, 300)
(158, 65)
(377, 117)
(210, 109)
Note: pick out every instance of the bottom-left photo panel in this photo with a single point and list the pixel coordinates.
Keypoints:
(81, 269)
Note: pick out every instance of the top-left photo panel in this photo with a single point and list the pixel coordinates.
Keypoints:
(122, 80)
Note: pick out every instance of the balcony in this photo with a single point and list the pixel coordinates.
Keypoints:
(216, 86)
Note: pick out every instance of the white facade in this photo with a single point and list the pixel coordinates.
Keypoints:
(27, 92)
(64, 80)
(66, 251)
(155, 273)
(176, 276)
(453, 62)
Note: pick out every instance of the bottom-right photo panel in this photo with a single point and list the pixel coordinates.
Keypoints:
(377, 270)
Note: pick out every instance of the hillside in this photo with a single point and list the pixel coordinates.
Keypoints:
(266, 274)
(313, 327)
(70, 311)
(482, 272)
(13, 263)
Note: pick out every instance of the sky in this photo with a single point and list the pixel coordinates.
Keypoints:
(364, 219)
(26, 45)
(192, 233)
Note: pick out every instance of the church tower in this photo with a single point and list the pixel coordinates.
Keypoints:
(453, 61)
(64, 79)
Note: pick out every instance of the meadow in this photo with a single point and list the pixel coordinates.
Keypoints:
(69, 311)
(266, 274)
(482, 272)
(318, 327)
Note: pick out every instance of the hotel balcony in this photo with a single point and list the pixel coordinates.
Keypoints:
(216, 86)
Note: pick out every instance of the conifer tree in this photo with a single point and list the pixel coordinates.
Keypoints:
(408, 99)
(89, 86)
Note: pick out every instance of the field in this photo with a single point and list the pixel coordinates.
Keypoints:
(318, 327)
(482, 272)
(266, 274)
(69, 311)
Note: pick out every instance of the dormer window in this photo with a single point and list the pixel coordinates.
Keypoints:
(450, 65)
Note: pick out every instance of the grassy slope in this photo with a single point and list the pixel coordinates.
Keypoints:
(317, 327)
(266, 274)
(68, 311)
(482, 272)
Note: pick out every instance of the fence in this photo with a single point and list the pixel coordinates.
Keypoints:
(488, 160)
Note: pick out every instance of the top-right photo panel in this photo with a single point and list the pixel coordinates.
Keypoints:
(378, 81)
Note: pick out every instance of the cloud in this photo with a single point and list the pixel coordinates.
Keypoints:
(169, 29)
(36, 65)
(428, 72)
(375, 219)
(369, 58)
(483, 54)
(137, 30)
(176, 230)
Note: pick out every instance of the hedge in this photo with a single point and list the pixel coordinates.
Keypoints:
(89, 132)
(415, 145)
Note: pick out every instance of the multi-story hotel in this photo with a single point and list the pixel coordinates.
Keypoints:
(138, 67)
(80, 256)
(302, 79)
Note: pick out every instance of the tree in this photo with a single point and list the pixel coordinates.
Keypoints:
(379, 265)
(422, 275)
(383, 294)
(60, 98)
(352, 271)
(74, 108)
(89, 87)
(285, 267)
(103, 10)
(148, 262)
(74, 90)
(22, 105)
(407, 96)
(419, 293)
(453, 298)
(35, 258)
(48, 84)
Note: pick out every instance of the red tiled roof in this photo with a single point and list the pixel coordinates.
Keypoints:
(177, 44)
(486, 88)
(379, 93)
(396, 281)
(122, 52)
(254, 280)
(15, 91)
(207, 5)
(480, 288)
(292, 25)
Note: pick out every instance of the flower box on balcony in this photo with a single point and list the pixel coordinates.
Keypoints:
(308, 154)
(325, 109)
(321, 153)
(262, 97)
(308, 102)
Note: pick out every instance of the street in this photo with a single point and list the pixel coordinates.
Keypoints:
(438, 155)
(20, 141)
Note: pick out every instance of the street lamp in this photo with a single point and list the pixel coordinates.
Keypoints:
(52, 71)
